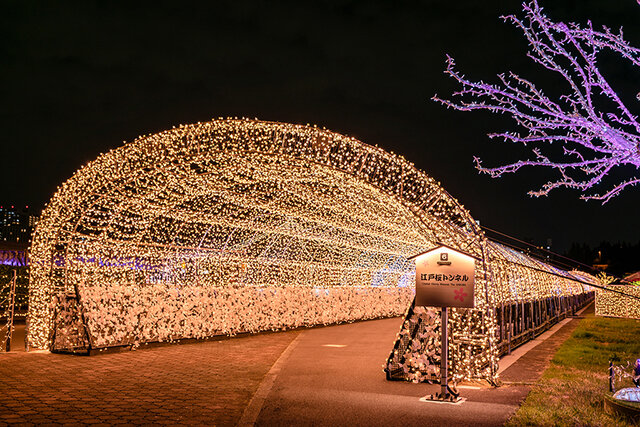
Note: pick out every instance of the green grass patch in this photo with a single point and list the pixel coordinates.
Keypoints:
(572, 390)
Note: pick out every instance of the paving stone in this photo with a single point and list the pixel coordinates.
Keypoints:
(200, 383)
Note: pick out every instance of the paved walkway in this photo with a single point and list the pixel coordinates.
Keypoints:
(324, 384)
(334, 377)
(323, 376)
(201, 383)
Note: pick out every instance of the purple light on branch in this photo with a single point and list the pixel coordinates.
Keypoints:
(593, 142)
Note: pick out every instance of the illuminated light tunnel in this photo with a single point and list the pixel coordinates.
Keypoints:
(235, 226)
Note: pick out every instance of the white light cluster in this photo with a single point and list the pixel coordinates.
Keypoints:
(618, 301)
(243, 225)
(239, 203)
(166, 313)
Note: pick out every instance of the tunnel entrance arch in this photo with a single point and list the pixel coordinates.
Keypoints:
(235, 226)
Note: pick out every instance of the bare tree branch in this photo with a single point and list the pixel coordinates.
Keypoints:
(594, 142)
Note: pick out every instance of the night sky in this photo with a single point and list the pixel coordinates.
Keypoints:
(77, 79)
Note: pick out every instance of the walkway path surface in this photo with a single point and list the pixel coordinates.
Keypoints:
(201, 383)
(323, 376)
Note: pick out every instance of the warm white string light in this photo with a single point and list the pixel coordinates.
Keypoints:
(237, 203)
(243, 225)
(618, 301)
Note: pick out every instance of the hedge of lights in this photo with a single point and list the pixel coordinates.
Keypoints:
(240, 225)
(616, 303)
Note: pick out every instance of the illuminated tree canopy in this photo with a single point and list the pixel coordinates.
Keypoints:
(584, 135)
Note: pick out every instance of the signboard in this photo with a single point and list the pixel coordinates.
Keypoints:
(445, 278)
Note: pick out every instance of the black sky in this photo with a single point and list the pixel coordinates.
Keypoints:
(79, 78)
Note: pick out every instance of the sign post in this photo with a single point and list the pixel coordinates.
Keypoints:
(444, 354)
(445, 278)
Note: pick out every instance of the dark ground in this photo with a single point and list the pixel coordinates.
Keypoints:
(289, 378)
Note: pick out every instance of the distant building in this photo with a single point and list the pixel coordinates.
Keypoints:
(16, 224)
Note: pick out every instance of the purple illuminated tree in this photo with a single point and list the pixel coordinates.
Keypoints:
(588, 143)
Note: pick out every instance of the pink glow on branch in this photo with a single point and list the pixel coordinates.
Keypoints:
(594, 142)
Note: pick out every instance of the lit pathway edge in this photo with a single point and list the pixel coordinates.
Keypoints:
(250, 414)
(510, 359)
(253, 409)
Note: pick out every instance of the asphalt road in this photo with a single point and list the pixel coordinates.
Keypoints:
(334, 376)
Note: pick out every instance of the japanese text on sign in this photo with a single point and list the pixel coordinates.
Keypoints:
(445, 278)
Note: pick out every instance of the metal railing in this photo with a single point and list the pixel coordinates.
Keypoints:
(520, 322)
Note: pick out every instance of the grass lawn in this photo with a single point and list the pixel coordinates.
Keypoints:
(572, 389)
